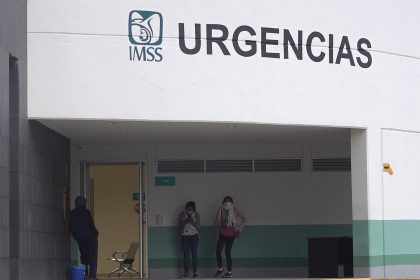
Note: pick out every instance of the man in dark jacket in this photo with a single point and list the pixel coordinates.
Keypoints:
(84, 231)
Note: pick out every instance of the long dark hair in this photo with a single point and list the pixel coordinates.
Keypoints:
(190, 204)
(228, 199)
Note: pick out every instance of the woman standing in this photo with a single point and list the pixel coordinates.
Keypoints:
(189, 225)
(230, 223)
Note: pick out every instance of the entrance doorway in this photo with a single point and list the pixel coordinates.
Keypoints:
(291, 182)
(114, 192)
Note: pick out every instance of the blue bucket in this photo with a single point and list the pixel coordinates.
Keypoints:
(77, 272)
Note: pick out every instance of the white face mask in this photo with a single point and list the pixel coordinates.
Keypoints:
(227, 204)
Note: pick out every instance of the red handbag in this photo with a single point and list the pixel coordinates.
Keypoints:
(227, 231)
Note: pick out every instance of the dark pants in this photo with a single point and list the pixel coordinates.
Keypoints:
(190, 243)
(89, 255)
(228, 243)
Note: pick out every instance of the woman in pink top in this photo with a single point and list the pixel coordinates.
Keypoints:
(230, 223)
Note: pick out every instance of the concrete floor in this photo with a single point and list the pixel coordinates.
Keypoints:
(136, 278)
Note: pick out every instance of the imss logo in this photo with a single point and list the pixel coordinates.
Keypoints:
(145, 34)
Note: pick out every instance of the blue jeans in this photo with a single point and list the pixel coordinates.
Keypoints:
(190, 243)
(226, 242)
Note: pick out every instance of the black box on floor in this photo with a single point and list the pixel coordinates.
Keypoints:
(330, 256)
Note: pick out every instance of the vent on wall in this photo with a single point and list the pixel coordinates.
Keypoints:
(331, 164)
(273, 165)
(229, 165)
(180, 166)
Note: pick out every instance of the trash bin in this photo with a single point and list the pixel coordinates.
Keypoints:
(77, 272)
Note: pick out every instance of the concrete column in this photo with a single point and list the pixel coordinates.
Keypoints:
(367, 202)
(4, 163)
(14, 165)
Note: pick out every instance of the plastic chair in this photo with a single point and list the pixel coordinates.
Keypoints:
(125, 260)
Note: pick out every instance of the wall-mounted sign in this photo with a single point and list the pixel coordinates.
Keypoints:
(136, 196)
(146, 33)
(165, 181)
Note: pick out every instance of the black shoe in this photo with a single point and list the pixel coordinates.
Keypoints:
(227, 275)
(195, 275)
(183, 276)
(218, 274)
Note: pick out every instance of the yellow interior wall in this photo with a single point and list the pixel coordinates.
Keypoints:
(113, 211)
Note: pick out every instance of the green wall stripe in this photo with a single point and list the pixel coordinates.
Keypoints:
(286, 245)
(368, 261)
(386, 242)
(402, 237)
(376, 238)
(402, 259)
(255, 241)
(368, 243)
(387, 260)
(288, 262)
(368, 238)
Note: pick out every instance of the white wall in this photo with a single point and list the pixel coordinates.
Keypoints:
(265, 198)
(80, 69)
(79, 65)
(401, 190)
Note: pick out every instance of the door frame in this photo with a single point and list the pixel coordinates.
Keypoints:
(143, 227)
